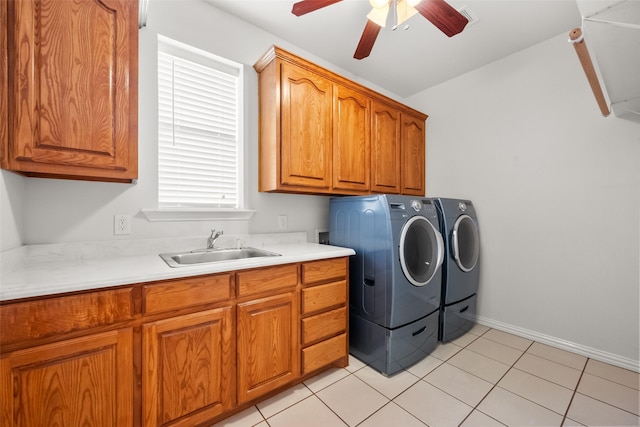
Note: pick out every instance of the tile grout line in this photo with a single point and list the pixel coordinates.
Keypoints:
(313, 393)
(350, 373)
(387, 404)
(324, 403)
(604, 402)
(575, 390)
(495, 385)
(527, 372)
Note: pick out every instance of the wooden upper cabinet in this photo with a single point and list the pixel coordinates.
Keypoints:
(412, 168)
(351, 140)
(385, 149)
(321, 133)
(306, 128)
(72, 89)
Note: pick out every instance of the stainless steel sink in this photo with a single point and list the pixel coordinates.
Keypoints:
(184, 259)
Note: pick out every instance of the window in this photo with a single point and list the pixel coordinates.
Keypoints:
(199, 129)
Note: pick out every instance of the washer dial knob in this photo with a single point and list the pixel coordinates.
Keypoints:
(416, 205)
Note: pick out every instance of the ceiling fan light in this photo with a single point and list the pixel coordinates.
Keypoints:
(378, 4)
(379, 15)
(404, 11)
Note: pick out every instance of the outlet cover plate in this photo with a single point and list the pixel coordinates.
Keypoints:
(121, 224)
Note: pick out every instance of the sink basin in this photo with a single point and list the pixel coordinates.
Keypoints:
(183, 259)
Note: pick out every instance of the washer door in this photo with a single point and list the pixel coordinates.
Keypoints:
(421, 250)
(466, 243)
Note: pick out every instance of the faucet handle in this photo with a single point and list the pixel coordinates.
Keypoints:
(213, 230)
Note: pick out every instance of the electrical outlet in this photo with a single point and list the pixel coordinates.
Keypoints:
(282, 222)
(122, 224)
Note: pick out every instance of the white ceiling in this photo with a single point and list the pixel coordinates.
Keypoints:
(407, 62)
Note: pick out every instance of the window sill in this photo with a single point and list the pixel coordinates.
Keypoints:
(195, 214)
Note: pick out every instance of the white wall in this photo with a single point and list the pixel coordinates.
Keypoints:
(557, 191)
(11, 210)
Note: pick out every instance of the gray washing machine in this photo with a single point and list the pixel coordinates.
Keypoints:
(395, 276)
(460, 270)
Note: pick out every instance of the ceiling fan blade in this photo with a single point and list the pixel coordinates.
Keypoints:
(367, 40)
(443, 16)
(305, 6)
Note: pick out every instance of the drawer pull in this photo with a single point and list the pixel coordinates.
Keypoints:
(419, 331)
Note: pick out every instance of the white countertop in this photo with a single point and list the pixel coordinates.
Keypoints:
(38, 270)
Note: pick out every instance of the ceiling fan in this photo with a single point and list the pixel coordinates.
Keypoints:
(438, 12)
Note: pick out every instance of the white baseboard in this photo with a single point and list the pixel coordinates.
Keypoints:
(593, 353)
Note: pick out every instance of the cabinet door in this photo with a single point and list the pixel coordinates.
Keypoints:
(351, 141)
(306, 116)
(85, 381)
(268, 352)
(73, 88)
(188, 368)
(412, 166)
(385, 148)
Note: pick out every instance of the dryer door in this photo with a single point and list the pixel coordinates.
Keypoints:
(466, 243)
(421, 250)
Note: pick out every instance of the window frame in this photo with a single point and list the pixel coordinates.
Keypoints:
(185, 213)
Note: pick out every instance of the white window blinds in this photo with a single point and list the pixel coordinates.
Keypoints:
(198, 129)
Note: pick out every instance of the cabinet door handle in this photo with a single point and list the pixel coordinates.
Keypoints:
(369, 281)
(464, 309)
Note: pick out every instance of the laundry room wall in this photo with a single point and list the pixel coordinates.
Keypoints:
(557, 191)
(11, 209)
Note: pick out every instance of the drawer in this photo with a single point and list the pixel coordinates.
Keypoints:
(324, 353)
(323, 325)
(176, 294)
(266, 279)
(322, 297)
(324, 270)
(57, 315)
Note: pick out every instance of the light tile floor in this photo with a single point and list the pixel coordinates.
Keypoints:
(485, 378)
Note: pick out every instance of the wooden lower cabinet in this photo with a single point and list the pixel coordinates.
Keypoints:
(188, 365)
(85, 381)
(324, 353)
(324, 316)
(179, 352)
(268, 352)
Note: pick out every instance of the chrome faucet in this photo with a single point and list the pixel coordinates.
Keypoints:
(211, 240)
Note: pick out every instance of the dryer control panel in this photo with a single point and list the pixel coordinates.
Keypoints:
(402, 207)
